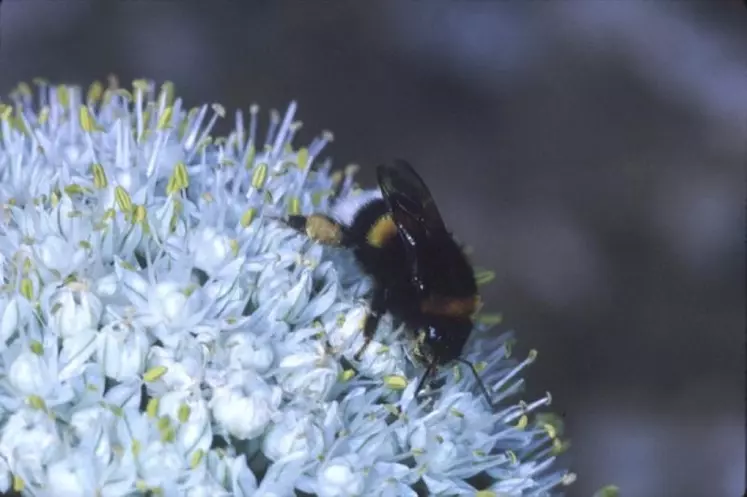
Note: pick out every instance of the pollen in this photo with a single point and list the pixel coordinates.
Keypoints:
(323, 230)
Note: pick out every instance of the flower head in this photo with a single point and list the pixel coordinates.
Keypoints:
(160, 330)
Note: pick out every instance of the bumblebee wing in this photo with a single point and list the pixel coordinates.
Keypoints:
(411, 203)
(414, 213)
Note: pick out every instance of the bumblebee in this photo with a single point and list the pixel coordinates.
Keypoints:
(420, 274)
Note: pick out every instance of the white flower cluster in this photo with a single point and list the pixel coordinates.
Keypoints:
(161, 334)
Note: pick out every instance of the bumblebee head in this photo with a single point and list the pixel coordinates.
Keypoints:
(442, 341)
(444, 337)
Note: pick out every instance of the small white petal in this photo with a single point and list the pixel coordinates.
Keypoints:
(122, 350)
(64, 477)
(295, 433)
(9, 318)
(76, 350)
(245, 416)
(340, 477)
(247, 351)
(29, 374)
(75, 312)
(194, 433)
(243, 481)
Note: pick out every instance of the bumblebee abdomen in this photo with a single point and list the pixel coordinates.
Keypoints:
(375, 241)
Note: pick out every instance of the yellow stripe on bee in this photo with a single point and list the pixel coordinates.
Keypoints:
(382, 231)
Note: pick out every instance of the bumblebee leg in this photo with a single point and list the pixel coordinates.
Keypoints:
(428, 372)
(319, 228)
(378, 302)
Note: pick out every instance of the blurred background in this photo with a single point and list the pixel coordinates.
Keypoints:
(591, 152)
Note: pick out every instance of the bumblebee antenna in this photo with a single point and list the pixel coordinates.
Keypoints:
(432, 369)
(479, 381)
